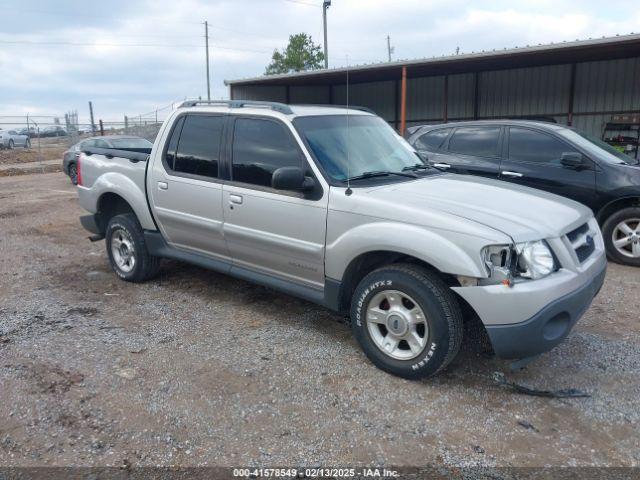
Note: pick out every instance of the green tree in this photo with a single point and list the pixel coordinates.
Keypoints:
(300, 54)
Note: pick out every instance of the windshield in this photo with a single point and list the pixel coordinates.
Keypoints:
(589, 141)
(369, 144)
(130, 143)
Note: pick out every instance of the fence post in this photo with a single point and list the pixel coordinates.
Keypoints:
(126, 124)
(101, 128)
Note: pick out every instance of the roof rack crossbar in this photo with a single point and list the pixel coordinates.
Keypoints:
(276, 106)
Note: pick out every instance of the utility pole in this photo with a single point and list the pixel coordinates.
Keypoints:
(390, 49)
(206, 42)
(93, 123)
(325, 4)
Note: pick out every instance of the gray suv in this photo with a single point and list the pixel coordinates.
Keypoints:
(332, 206)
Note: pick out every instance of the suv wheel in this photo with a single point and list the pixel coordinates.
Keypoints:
(622, 236)
(127, 251)
(11, 144)
(407, 321)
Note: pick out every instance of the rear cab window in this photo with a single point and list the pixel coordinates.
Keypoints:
(194, 146)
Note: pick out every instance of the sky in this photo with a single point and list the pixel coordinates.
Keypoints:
(131, 57)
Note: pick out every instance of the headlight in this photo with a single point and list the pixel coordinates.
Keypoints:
(535, 260)
(530, 260)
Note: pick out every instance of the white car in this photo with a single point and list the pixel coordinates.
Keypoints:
(11, 138)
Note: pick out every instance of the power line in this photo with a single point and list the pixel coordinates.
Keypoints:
(164, 45)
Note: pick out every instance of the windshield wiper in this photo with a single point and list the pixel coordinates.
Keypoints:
(379, 173)
(416, 167)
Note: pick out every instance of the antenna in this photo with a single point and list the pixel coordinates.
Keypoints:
(348, 191)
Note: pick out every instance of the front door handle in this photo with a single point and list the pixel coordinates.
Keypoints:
(445, 166)
(163, 185)
(507, 173)
(237, 199)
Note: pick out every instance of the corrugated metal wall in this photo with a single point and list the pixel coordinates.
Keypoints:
(601, 89)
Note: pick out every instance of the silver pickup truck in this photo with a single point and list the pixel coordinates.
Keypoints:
(331, 205)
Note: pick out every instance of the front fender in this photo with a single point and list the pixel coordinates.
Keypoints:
(440, 249)
(113, 182)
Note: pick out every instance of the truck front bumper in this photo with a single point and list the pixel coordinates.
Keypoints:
(533, 317)
(548, 327)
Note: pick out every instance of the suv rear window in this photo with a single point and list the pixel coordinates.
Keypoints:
(478, 141)
(432, 140)
(260, 147)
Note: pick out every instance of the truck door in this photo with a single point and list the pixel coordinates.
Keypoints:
(185, 187)
(275, 232)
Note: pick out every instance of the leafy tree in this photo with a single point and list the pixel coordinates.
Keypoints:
(300, 54)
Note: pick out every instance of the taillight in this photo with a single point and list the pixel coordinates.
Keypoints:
(79, 171)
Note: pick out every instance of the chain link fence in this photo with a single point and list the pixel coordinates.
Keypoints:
(41, 140)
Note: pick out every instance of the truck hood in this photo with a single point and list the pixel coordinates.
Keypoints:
(522, 213)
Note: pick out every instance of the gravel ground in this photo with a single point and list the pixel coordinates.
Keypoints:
(196, 368)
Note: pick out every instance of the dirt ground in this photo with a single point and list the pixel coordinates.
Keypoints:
(196, 368)
(50, 148)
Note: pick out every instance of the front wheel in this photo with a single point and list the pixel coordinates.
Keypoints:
(11, 144)
(621, 233)
(27, 143)
(407, 320)
(127, 250)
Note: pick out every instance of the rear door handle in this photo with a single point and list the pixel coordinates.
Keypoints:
(507, 173)
(163, 185)
(445, 166)
(237, 199)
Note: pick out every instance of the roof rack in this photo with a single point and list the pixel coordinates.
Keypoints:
(278, 107)
(332, 105)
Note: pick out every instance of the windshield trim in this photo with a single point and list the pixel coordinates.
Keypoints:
(363, 183)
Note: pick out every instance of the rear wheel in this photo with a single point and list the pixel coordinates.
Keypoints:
(127, 250)
(73, 173)
(622, 236)
(407, 320)
(11, 144)
(27, 143)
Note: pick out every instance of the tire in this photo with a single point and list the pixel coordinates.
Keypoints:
(410, 292)
(73, 173)
(11, 144)
(125, 241)
(614, 228)
(27, 143)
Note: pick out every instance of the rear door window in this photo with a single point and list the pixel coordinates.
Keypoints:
(198, 148)
(432, 140)
(476, 141)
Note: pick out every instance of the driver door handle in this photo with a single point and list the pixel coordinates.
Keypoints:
(237, 199)
(163, 185)
(445, 166)
(507, 173)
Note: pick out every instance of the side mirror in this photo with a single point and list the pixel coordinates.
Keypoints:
(572, 160)
(291, 178)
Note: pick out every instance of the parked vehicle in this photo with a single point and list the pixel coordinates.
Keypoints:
(549, 157)
(53, 131)
(11, 138)
(122, 142)
(332, 206)
(31, 132)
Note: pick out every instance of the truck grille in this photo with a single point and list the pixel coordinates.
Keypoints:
(582, 240)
